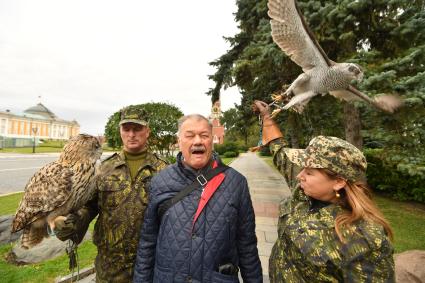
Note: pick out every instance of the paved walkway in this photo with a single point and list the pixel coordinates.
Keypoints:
(267, 187)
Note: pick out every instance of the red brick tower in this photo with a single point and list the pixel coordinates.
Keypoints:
(218, 129)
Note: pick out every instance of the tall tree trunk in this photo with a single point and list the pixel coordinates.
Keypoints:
(353, 125)
(293, 130)
(245, 136)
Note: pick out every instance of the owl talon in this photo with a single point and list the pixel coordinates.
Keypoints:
(275, 112)
(277, 98)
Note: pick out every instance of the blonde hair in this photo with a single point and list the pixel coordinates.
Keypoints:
(356, 199)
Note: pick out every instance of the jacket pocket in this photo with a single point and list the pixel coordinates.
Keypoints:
(112, 191)
(231, 219)
(217, 277)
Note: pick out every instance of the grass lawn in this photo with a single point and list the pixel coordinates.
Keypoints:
(406, 218)
(227, 160)
(46, 271)
(9, 203)
(38, 149)
(47, 146)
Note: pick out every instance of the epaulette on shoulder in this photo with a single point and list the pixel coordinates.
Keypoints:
(160, 158)
(110, 157)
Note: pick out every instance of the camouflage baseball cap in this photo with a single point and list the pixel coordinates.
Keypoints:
(331, 153)
(133, 114)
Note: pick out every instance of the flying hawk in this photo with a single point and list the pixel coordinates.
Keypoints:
(321, 75)
(57, 189)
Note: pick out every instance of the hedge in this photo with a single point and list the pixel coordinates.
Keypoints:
(228, 146)
(229, 154)
(402, 182)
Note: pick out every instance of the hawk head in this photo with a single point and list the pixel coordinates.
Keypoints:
(351, 70)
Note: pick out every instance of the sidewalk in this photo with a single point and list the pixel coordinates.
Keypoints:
(267, 187)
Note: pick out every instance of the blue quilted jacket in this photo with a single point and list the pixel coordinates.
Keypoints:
(170, 251)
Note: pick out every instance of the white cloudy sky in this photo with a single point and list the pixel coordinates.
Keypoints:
(88, 58)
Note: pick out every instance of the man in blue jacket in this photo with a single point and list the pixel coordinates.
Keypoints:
(207, 235)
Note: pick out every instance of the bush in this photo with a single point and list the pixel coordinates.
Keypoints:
(227, 146)
(402, 182)
(231, 154)
(230, 146)
(243, 148)
(171, 159)
(265, 151)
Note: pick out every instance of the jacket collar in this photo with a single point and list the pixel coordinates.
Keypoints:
(326, 212)
(119, 160)
(192, 173)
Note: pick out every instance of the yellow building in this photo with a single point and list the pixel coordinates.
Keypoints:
(35, 122)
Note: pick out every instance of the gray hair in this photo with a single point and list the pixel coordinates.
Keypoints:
(196, 117)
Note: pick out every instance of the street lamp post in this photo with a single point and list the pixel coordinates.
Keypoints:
(34, 131)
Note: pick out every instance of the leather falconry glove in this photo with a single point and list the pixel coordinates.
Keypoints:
(73, 227)
(65, 228)
(270, 129)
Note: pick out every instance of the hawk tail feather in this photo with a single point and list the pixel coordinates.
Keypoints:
(388, 103)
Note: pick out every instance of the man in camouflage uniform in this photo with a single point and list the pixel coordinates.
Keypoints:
(308, 248)
(120, 201)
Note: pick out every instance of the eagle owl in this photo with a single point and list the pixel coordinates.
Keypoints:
(321, 75)
(57, 189)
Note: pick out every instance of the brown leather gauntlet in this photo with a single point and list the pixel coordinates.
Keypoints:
(271, 130)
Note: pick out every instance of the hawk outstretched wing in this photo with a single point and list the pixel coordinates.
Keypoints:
(293, 36)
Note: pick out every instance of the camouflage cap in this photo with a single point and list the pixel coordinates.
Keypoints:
(133, 114)
(331, 153)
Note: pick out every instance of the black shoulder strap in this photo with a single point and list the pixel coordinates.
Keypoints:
(200, 180)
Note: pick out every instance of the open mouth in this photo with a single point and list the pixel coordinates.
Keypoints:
(198, 151)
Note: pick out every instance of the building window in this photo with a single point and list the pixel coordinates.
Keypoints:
(2, 126)
(55, 131)
(21, 128)
(61, 132)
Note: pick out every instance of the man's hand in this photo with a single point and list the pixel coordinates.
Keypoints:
(66, 227)
(261, 107)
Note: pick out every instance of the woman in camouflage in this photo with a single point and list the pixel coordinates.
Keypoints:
(330, 230)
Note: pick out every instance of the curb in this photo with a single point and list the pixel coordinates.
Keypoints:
(8, 194)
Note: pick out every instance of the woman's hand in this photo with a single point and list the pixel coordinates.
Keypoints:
(262, 108)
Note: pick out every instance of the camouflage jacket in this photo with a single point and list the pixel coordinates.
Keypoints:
(120, 204)
(308, 249)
